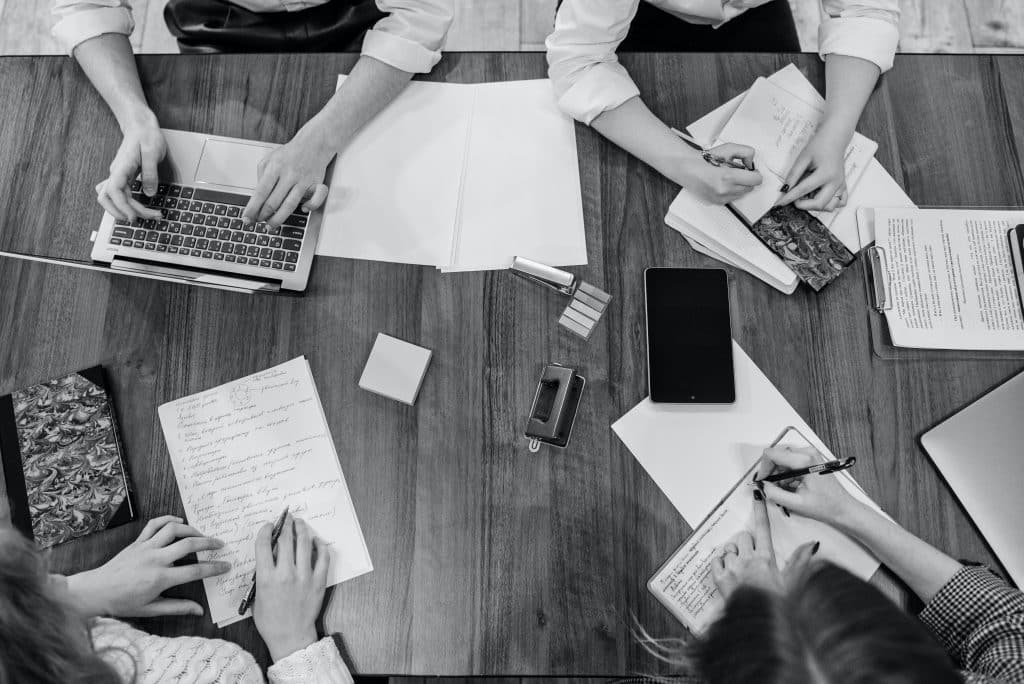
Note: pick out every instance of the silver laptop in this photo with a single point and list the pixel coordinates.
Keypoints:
(980, 452)
(205, 183)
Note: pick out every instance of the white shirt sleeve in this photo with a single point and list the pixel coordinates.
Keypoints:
(411, 36)
(586, 75)
(868, 29)
(80, 20)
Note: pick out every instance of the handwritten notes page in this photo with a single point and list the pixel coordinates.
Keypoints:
(242, 452)
(684, 584)
(778, 125)
(950, 279)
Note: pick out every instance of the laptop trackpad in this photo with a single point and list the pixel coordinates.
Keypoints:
(232, 164)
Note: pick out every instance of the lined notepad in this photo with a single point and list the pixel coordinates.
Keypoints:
(242, 452)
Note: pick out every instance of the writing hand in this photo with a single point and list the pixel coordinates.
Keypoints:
(142, 148)
(820, 497)
(289, 588)
(291, 174)
(130, 584)
(720, 184)
(822, 161)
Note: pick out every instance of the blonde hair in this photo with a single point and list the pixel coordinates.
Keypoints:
(44, 639)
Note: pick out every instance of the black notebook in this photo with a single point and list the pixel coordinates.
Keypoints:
(63, 461)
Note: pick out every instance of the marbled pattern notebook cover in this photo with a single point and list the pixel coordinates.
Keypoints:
(63, 465)
(803, 242)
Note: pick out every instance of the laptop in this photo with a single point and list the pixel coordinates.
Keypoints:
(980, 453)
(205, 183)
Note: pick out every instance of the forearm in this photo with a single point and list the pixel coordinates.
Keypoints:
(370, 87)
(848, 85)
(634, 128)
(920, 565)
(110, 65)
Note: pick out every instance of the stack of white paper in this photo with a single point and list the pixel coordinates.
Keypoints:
(716, 232)
(242, 452)
(461, 177)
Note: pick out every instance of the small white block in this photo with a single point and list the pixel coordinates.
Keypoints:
(395, 369)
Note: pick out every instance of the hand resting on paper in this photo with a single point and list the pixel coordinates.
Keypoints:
(748, 559)
(290, 586)
(820, 497)
(130, 584)
(817, 180)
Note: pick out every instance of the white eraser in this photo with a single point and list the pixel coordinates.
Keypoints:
(395, 369)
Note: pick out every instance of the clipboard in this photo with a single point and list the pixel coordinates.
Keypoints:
(878, 299)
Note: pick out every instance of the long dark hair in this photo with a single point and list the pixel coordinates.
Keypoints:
(825, 627)
(43, 639)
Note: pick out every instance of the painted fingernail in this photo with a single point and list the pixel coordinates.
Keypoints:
(814, 549)
(758, 496)
(785, 188)
(785, 511)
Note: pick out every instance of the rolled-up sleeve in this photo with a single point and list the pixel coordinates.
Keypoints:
(80, 20)
(868, 29)
(584, 71)
(411, 36)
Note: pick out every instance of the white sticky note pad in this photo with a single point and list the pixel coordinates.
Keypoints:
(395, 369)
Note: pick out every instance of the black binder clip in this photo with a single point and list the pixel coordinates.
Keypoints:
(554, 407)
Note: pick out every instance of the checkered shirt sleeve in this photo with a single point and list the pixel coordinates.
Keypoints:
(979, 618)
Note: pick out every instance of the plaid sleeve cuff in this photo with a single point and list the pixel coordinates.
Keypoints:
(77, 27)
(971, 600)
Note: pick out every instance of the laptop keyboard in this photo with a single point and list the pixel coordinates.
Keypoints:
(207, 224)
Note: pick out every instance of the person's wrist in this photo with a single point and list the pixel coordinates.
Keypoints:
(137, 116)
(288, 644)
(681, 164)
(86, 595)
(836, 132)
(853, 518)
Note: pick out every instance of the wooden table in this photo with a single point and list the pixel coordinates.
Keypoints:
(488, 560)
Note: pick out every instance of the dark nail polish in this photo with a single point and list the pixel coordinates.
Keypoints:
(758, 496)
(814, 549)
(785, 188)
(785, 511)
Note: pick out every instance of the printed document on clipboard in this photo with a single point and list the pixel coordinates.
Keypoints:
(944, 278)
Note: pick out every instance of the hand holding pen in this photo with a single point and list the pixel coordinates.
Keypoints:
(275, 534)
(809, 493)
(721, 174)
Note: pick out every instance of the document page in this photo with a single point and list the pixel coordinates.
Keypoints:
(394, 191)
(684, 584)
(521, 192)
(242, 452)
(949, 278)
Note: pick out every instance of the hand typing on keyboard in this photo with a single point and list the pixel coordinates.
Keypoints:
(142, 148)
(291, 174)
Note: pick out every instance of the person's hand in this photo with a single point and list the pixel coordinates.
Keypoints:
(720, 184)
(290, 175)
(289, 588)
(823, 162)
(819, 497)
(748, 559)
(142, 148)
(130, 583)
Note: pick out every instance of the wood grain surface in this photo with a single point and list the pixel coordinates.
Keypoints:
(488, 560)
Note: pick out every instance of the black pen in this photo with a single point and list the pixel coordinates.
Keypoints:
(710, 158)
(819, 468)
(250, 595)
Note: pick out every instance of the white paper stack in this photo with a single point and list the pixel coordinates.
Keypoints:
(779, 117)
(462, 177)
